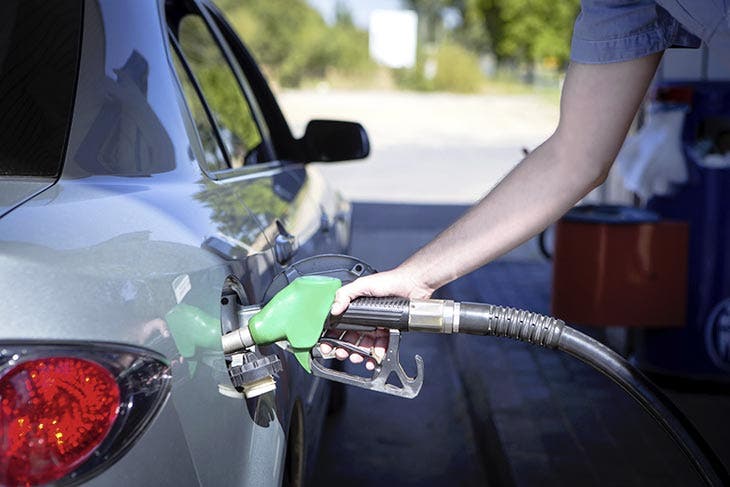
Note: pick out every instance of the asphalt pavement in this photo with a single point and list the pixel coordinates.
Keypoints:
(492, 411)
(384, 440)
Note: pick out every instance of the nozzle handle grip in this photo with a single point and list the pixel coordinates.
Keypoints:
(389, 312)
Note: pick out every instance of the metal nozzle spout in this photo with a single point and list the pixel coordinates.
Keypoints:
(237, 340)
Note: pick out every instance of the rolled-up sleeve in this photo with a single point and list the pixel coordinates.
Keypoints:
(608, 31)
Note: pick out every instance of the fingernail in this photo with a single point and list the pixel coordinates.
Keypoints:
(341, 353)
(325, 348)
(369, 365)
(355, 358)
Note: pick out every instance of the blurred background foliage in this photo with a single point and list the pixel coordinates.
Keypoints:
(493, 43)
(232, 114)
(295, 44)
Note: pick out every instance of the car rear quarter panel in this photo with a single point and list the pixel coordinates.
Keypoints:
(119, 242)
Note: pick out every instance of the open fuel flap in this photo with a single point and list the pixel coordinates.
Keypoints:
(251, 371)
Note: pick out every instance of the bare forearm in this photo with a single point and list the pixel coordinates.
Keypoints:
(598, 105)
(596, 110)
(534, 194)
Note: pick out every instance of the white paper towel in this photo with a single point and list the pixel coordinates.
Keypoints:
(651, 160)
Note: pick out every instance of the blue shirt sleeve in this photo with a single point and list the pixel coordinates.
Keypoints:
(608, 31)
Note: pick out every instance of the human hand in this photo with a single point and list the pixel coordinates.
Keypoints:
(376, 341)
(396, 282)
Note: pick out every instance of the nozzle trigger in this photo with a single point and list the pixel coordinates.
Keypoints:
(390, 364)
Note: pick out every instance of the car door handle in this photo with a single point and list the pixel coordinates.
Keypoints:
(285, 244)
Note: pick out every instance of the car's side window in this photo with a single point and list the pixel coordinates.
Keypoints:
(213, 158)
(233, 118)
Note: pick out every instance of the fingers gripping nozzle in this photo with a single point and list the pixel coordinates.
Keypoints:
(390, 365)
(299, 315)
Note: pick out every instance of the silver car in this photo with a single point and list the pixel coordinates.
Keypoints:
(149, 188)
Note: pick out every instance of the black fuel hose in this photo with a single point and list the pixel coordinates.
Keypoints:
(440, 316)
(654, 401)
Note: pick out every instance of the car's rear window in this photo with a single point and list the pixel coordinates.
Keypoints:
(39, 51)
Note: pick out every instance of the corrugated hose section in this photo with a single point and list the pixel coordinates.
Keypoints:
(488, 319)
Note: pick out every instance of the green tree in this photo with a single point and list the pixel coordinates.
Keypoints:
(230, 110)
(478, 21)
(429, 17)
(343, 16)
(457, 70)
(537, 29)
(294, 43)
(526, 31)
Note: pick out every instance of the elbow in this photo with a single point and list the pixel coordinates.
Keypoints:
(598, 175)
(589, 168)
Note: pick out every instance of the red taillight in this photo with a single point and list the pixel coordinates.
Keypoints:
(53, 413)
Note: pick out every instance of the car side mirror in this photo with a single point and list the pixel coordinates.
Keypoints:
(332, 140)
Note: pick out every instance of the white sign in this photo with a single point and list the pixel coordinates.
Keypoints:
(393, 37)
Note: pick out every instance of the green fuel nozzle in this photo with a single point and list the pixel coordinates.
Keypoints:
(296, 314)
